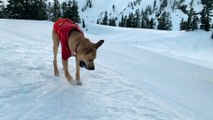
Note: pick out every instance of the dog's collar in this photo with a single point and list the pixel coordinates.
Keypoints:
(74, 53)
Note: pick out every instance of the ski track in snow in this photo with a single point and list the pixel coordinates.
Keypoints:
(29, 91)
(88, 101)
(38, 97)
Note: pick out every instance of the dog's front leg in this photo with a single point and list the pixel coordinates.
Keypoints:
(78, 81)
(66, 72)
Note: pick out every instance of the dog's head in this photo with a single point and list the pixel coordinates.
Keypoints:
(87, 53)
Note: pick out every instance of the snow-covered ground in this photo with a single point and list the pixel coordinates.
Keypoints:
(140, 75)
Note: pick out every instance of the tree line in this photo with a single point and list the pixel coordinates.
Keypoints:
(193, 20)
(140, 18)
(153, 17)
(39, 10)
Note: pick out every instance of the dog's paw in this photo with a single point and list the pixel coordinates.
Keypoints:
(78, 82)
(72, 82)
(56, 73)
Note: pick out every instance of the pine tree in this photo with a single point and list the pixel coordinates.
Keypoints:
(68, 13)
(163, 4)
(212, 35)
(40, 10)
(15, 9)
(192, 21)
(143, 19)
(27, 9)
(125, 20)
(154, 5)
(183, 24)
(205, 15)
(70, 10)
(112, 22)
(49, 11)
(56, 10)
(98, 21)
(122, 22)
(164, 22)
(145, 22)
(76, 16)
(31, 7)
(2, 9)
(64, 9)
(113, 8)
(90, 4)
(168, 21)
(175, 5)
(205, 19)
(195, 21)
(191, 3)
(152, 23)
(189, 22)
(105, 19)
(148, 10)
(189, 19)
(83, 24)
(129, 21)
(136, 19)
(182, 1)
(43, 10)
(207, 3)
(132, 6)
(183, 9)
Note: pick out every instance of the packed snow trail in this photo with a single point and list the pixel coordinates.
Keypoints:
(128, 83)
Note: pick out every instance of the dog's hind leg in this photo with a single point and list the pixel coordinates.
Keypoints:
(55, 52)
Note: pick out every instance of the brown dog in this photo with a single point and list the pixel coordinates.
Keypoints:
(75, 44)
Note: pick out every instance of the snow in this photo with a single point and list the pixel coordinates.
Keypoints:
(140, 74)
(91, 15)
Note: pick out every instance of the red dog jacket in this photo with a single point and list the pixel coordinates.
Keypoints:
(63, 27)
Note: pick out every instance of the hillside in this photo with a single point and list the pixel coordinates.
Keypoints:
(173, 15)
(117, 9)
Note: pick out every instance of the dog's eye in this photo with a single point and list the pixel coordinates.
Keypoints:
(90, 60)
(89, 50)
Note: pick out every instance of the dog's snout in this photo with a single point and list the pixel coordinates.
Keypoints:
(89, 66)
(92, 68)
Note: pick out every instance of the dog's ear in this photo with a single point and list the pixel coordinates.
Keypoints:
(99, 43)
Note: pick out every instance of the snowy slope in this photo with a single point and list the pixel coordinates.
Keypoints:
(91, 15)
(129, 83)
(122, 8)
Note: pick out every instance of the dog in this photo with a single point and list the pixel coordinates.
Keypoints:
(73, 43)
